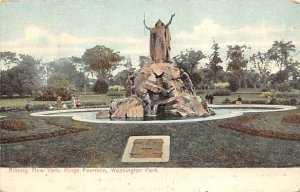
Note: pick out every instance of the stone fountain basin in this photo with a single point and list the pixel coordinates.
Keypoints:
(222, 112)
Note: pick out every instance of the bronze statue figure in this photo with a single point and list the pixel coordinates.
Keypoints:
(160, 41)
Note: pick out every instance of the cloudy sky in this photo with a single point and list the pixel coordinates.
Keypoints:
(51, 29)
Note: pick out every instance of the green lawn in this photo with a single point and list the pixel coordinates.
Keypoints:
(246, 94)
(245, 97)
(83, 98)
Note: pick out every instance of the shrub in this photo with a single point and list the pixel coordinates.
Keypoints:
(283, 87)
(101, 86)
(115, 93)
(287, 95)
(293, 101)
(51, 94)
(13, 125)
(117, 88)
(267, 94)
(222, 92)
(222, 85)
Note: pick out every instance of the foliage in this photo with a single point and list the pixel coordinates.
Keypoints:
(235, 55)
(214, 60)
(101, 59)
(72, 70)
(236, 64)
(51, 94)
(189, 60)
(283, 87)
(280, 53)
(101, 86)
(249, 79)
(9, 58)
(114, 93)
(261, 63)
(233, 84)
(279, 77)
(295, 84)
(287, 95)
(222, 92)
(293, 101)
(117, 88)
(22, 79)
(58, 80)
(13, 125)
(196, 78)
(222, 85)
(267, 94)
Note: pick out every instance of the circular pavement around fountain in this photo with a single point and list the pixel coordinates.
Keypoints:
(222, 112)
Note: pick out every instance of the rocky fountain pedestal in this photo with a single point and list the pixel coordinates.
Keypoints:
(159, 89)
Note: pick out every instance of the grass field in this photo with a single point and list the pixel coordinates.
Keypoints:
(246, 94)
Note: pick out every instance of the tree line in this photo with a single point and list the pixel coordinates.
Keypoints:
(25, 75)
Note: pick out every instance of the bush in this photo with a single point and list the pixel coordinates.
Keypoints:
(222, 85)
(13, 125)
(51, 94)
(222, 92)
(286, 95)
(265, 87)
(115, 93)
(282, 87)
(293, 101)
(117, 88)
(101, 86)
(267, 94)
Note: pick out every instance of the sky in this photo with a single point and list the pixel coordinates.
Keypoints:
(52, 29)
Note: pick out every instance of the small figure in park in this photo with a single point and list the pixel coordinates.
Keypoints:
(73, 101)
(64, 106)
(59, 103)
(28, 106)
(78, 103)
(209, 98)
(49, 106)
(239, 100)
(160, 41)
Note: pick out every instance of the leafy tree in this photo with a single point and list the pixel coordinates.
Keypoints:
(236, 64)
(214, 60)
(120, 78)
(189, 60)
(260, 62)
(5, 80)
(249, 79)
(235, 55)
(23, 78)
(280, 52)
(9, 58)
(101, 59)
(58, 80)
(196, 78)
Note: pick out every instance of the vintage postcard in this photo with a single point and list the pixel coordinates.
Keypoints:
(150, 95)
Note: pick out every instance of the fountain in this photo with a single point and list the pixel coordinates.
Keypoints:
(158, 88)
